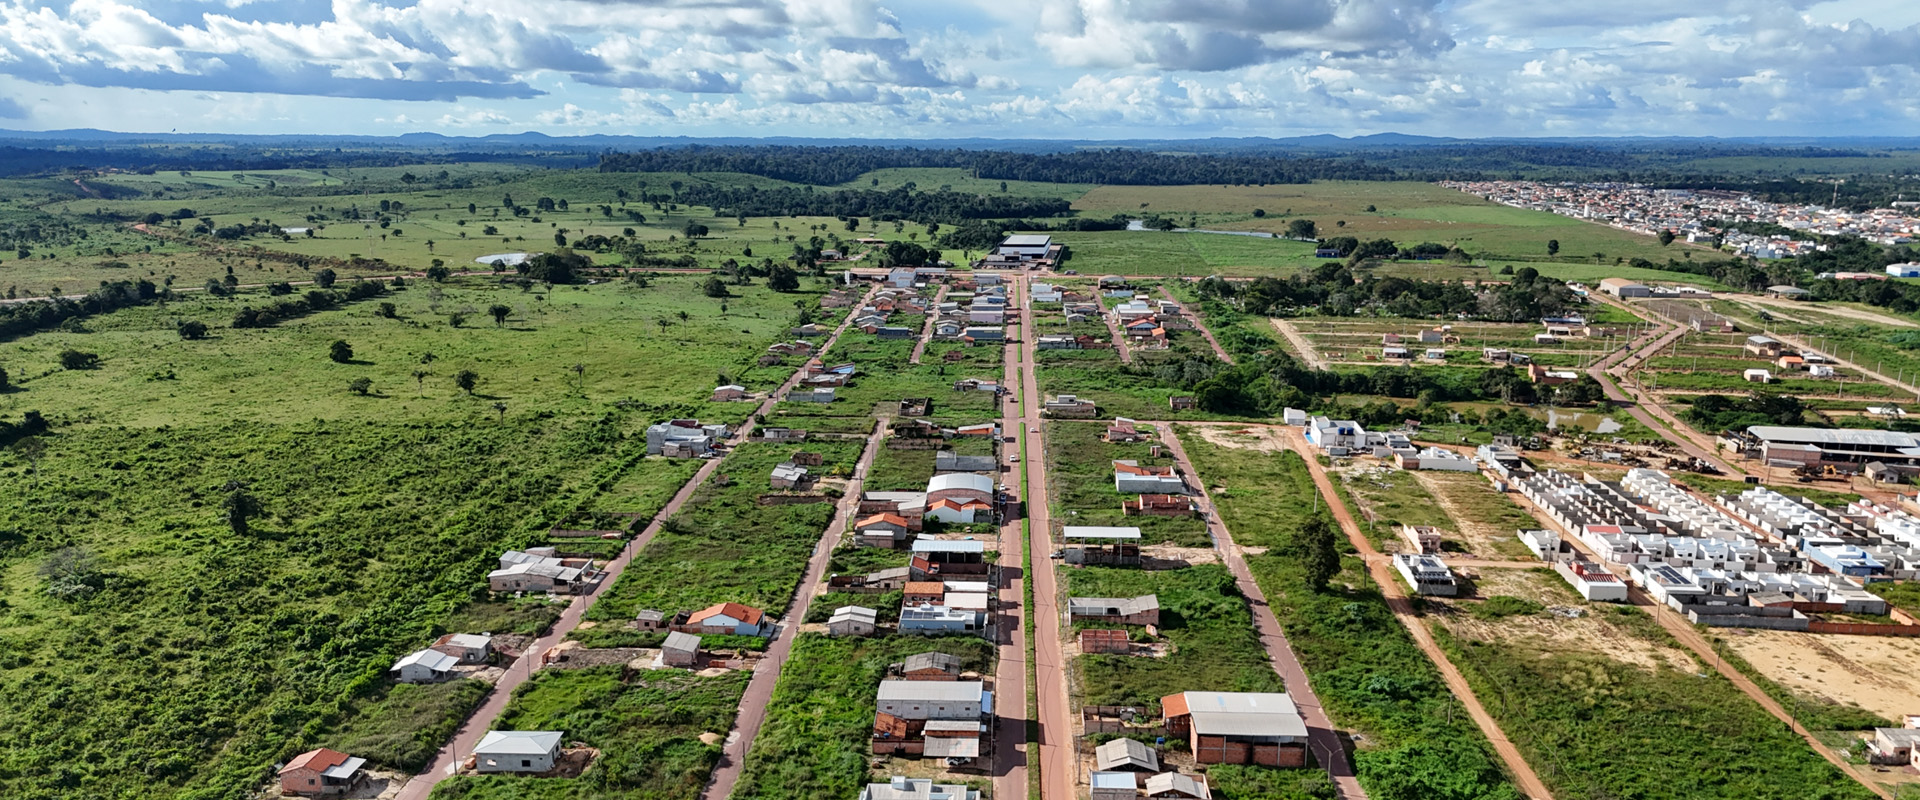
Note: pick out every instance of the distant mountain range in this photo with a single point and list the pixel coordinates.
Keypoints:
(1323, 143)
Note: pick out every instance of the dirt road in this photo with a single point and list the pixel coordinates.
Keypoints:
(766, 673)
(1201, 326)
(1327, 743)
(1113, 330)
(1300, 343)
(1613, 371)
(1688, 636)
(926, 331)
(1524, 777)
(1057, 760)
(1838, 311)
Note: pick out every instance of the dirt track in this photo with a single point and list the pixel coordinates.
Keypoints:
(1201, 326)
(1300, 343)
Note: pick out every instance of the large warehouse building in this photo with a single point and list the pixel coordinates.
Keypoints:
(1849, 449)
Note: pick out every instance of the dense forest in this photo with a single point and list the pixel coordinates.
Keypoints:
(1332, 288)
(1843, 254)
(834, 165)
(900, 203)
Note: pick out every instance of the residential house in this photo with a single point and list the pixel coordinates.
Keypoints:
(853, 621)
(938, 558)
(1328, 434)
(467, 648)
(918, 592)
(681, 649)
(894, 332)
(1091, 544)
(1263, 729)
(929, 700)
(321, 773)
(1422, 538)
(684, 435)
(788, 475)
(1130, 477)
(983, 334)
(1123, 430)
(1069, 407)
(651, 619)
(1765, 347)
(551, 575)
(730, 618)
(517, 751)
(1159, 505)
(1126, 755)
(948, 461)
(1426, 574)
(1893, 746)
(901, 788)
(825, 395)
(947, 329)
(1112, 786)
(916, 406)
(1178, 786)
(1057, 342)
(728, 393)
(1142, 610)
(1757, 376)
(885, 530)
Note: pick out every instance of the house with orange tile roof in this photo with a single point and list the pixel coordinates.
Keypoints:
(321, 773)
(730, 619)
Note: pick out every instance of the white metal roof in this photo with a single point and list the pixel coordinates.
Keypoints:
(345, 769)
(1834, 436)
(682, 641)
(518, 743)
(431, 659)
(854, 613)
(1245, 714)
(1126, 753)
(1188, 785)
(948, 546)
(1098, 532)
(926, 691)
(952, 747)
(1027, 240)
(962, 481)
(1113, 780)
(469, 640)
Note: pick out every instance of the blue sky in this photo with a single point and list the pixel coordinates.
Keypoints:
(1091, 69)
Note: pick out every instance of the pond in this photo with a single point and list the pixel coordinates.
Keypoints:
(1596, 423)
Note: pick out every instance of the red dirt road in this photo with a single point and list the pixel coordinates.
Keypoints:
(1011, 750)
(1200, 325)
(1057, 761)
(1523, 775)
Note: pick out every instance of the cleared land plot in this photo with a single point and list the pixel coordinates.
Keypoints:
(1484, 521)
(1880, 674)
(816, 741)
(1080, 480)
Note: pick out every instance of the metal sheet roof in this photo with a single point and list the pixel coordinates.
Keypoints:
(1027, 240)
(952, 747)
(345, 769)
(518, 743)
(1866, 438)
(1098, 532)
(948, 546)
(924, 691)
(684, 642)
(431, 659)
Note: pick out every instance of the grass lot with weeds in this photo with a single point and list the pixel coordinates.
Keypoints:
(815, 742)
(1080, 479)
(1204, 618)
(647, 728)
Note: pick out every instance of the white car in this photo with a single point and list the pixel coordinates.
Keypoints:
(1013, 459)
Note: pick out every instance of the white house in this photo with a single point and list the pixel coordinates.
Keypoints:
(915, 700)
(423, 666)
(1426, 574)
(1129, 477)
(1327, 433)
(1910, 269)
(469, 648)
(731, 618)
(517, 751)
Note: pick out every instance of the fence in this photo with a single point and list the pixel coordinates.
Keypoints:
(793, 499)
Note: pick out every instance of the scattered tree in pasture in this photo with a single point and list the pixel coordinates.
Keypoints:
(191, 329)
(241, 507)
(340, 351)
(77, 360)
(466, 379)
(72, 574)
(500, 313)
(360, 386)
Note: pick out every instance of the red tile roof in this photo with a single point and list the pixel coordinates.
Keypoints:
(318, 760)
(746, 614)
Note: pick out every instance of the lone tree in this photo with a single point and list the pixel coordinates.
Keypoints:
(1319, 554)
(72, 573)
(324, 278)
(360, 386)
(420, 380)
(500, 313)
(193, 329)
(1301, 229)
(1666, 237)
(5, 382)
(466, 379)
(713, 287)
(340, 352)
(783, 278)
(240, 507)
(1553, 247)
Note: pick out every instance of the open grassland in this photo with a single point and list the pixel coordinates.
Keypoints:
(647, 728)
(1368, 673)
(1080, 480)
(1406, 212)
(148, 375)
(269, 642)
(1203, 618)
(726, 547)
(960, 179)
(815, 744)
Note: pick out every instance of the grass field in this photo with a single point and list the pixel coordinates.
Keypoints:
(1202, 616)
(1406, 212)
(1080, 479)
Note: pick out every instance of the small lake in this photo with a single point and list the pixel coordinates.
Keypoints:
(509, 259)
(1589, 422)
(1141, 225)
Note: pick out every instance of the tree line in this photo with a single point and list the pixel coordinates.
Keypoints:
(835, 165)
(888, 205)
(1336, 289)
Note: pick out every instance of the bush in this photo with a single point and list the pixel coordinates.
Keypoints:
(1500, 606)
(340, 351)
(75, 359)
(193, 329)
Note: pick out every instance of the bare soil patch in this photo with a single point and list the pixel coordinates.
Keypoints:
(1878, 673)
(1264, 439)
(1555, 632)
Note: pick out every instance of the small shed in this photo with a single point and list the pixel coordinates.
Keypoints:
(931, 666)
(680, 650)
(1126, 755)
(469, 648)
(1178, 786)
(853, 621)
(1114, 786)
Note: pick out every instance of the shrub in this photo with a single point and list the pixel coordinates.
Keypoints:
(75, 359)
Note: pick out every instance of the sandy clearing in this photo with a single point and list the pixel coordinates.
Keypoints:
(1478, 536)
(1833, 310)
(1300, 343)
(1878, 673)
(1590, 632)
(1264, 439)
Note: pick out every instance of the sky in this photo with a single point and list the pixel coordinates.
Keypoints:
(1023, 69)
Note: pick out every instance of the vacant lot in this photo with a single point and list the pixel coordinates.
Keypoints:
(1876, 673)
(1203, 618)
(1080, 480)
(647, 727)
